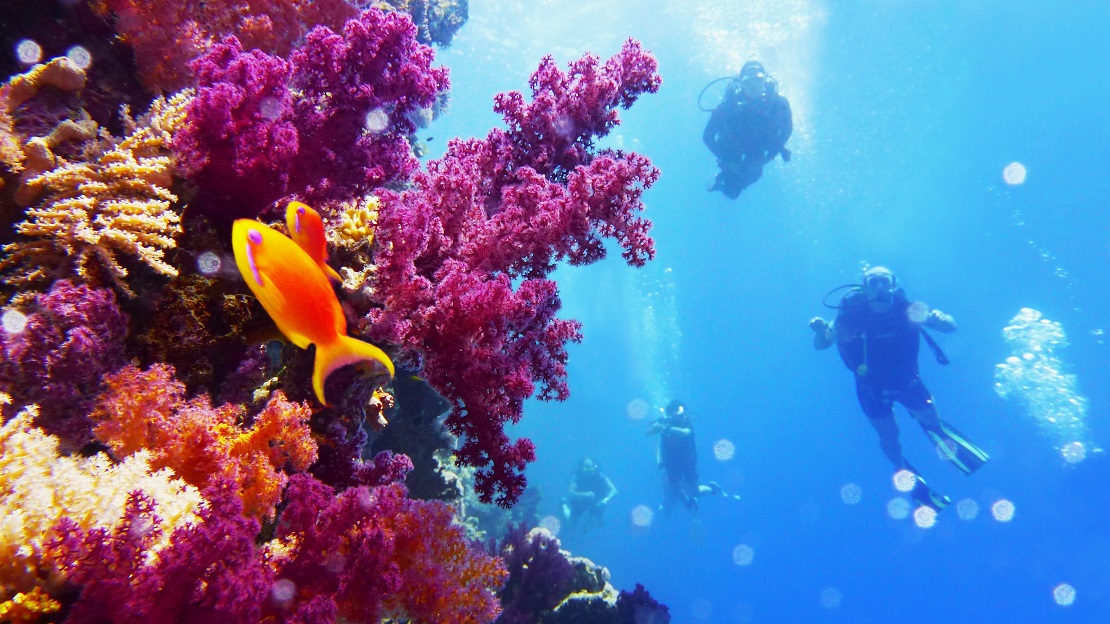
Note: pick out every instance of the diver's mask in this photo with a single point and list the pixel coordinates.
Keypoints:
(879, 284)
(754, 85)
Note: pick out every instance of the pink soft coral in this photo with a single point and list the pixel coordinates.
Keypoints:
(462, 256)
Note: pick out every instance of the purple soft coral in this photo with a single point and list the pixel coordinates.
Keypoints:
(250, 141)
(210, 572)
(74, 336)
(502, 211)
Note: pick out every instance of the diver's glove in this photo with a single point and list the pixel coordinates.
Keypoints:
(819, 325)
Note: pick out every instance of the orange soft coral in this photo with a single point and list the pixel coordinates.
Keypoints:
(146, 409)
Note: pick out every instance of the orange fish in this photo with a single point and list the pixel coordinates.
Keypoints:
(306, 228)
(299, 299)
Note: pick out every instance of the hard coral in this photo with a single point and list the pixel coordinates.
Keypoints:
(462, 255)
(73, 335)
(147, 410)
(92, 211)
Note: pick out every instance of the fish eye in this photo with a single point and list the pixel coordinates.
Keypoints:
(255, 237)
(300, 210)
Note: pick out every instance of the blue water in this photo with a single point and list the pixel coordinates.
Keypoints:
(905, 114)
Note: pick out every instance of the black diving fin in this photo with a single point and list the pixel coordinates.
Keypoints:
(956, 448)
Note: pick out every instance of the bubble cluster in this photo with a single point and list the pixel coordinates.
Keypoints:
(638, 409)
(1003, 510)
(1063, 594)
(1074, 452)
(283, 591)
(724, 450)
(1035, 377)
(641, 516)
(1014, 173)
(551, 524)
(14, 321)
(377, 120)
(79, 56)
(925, 517)
(830, 598)
(29, 52)
(743, 555)
(967, 509)
(209, 263)
(851, 494)
(917, 312)
(904, 480)
(898, 508)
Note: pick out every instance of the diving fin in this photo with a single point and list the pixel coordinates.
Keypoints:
(924, 495)
(956, 448)
(921, 493)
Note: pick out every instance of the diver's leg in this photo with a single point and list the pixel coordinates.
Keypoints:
(949, 442)
(880, 413)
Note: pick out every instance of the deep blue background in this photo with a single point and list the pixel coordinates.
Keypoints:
(906, 114)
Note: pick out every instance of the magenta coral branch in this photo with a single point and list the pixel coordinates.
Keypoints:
(505, 210)
(330, 124)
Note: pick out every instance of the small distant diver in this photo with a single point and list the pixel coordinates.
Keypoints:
(747, 129)
(677, 456)
(878, 332)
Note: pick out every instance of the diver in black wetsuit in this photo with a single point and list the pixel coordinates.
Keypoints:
(678, 457)
(748, 129)
(878, 332)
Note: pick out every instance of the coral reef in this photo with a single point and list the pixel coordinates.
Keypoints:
(147, 410)
(159, 460)
(71, 336)
(39, 488)
(549, 585)
(210, 571)
(249, 141)
(406, 559)
(502, 209)
(436, 21)
(167, 35)
(90, 212)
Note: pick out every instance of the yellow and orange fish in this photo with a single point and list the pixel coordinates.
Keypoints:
(306, 228)
(295, 293)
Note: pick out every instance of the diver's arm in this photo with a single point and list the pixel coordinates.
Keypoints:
(784, 127)
(943, 323)
(824, 333)
(710, 136)
(680, 431)
(612, 491)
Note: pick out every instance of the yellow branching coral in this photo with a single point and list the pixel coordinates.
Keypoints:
(38, 488)
(146, 410)
(119, 204)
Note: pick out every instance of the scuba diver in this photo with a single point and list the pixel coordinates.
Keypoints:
(747, 129)
(678, 457)
(589, 494)
(878, 332)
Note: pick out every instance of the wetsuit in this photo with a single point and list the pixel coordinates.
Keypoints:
(746, 134)
(678, 457)
(881, 349)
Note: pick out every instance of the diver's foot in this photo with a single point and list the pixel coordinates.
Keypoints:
(922, 494)
(715, 489)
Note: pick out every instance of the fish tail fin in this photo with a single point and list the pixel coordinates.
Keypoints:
(331, 273)
(343, 351)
